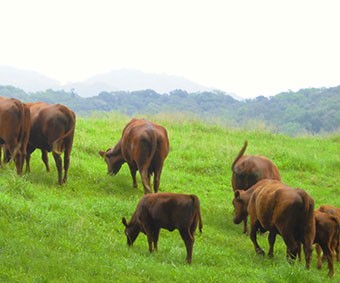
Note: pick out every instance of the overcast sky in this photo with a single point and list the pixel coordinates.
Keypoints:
(249, 48)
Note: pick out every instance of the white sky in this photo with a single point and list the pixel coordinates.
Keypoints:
(249, 48)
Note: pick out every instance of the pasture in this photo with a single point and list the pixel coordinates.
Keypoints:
(73, 233)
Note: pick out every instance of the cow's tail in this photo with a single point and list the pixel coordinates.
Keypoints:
(24, 129)
(336, 235)
(58, 144)
(154, 144)
(308, 210)
(197, 209)
(243, 149)
(307, 225)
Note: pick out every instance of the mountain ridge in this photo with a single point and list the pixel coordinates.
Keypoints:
(114, 80)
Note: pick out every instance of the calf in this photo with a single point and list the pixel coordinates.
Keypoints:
(169, 211)
(144, 145)
(247, 170)
(327, 231)
(279, 209)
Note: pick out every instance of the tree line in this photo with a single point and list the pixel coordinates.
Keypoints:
(307, 111)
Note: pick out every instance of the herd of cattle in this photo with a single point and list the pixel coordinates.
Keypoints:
(25, 127)
(258, 192)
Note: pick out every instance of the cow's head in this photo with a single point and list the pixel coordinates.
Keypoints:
(114, 160)
(131, 231)
(240, 204)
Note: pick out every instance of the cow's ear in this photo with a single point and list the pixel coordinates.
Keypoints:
(102, 153)
(237, 195)
(124, 222)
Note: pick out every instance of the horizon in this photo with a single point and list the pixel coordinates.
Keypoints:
(246, 48)
(61, 85)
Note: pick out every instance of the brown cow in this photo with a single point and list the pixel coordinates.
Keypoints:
(144, 146)
(327, 233)
(14, 130)
(247, 170)
(52, 129)
(169, 211)
(279, 209)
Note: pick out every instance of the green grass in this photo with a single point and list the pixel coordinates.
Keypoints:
(74, 233)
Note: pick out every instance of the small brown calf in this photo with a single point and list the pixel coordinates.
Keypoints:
(169, 211)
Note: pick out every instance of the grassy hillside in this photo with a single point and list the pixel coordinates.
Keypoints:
(74, 233)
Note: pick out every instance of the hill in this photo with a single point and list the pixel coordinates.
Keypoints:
(116, 80)
(74, 233)
(133, 80)
(307, 111)
(27, 80)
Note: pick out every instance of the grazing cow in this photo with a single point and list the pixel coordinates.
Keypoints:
(52, 129)
(279, 209)
(327, 233)
(14, 130)
(144, 146)
(247, 170)
(169, 211)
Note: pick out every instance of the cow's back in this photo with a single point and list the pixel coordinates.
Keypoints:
(276, 203)
(169, 210)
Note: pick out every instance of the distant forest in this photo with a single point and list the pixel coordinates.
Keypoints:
(307, 111)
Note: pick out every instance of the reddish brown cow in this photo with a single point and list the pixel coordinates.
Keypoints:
(52, 129)
(279, 209)
(327, 233)
(144, 146)
(247, 170)
(335, 211)
(169, 211)
(14, 130)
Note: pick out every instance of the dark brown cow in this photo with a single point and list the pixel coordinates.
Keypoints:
(279, 209)
(327, 232)
(52, 129)
(247, 170)
(143, 146)
(169, 211)
(14, 130)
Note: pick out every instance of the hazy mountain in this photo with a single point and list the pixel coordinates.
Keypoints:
(132, 80)
(27, 80)
(127, 80)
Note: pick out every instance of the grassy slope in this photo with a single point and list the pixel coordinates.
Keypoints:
(74, 233)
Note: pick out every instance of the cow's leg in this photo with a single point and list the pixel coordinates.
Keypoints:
(253, 232)
(44, 158)
(28, 158)
(318, 255)
(155, 238)
(189, 243)
(245, 226)
(58, 163)
(157, 178)
(7, 155)
(308, 248)
(329, 256)
(292, 246)
(133, 171)
(271, 240)
(67, 152)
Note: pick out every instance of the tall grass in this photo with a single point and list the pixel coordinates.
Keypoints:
(73, 233)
